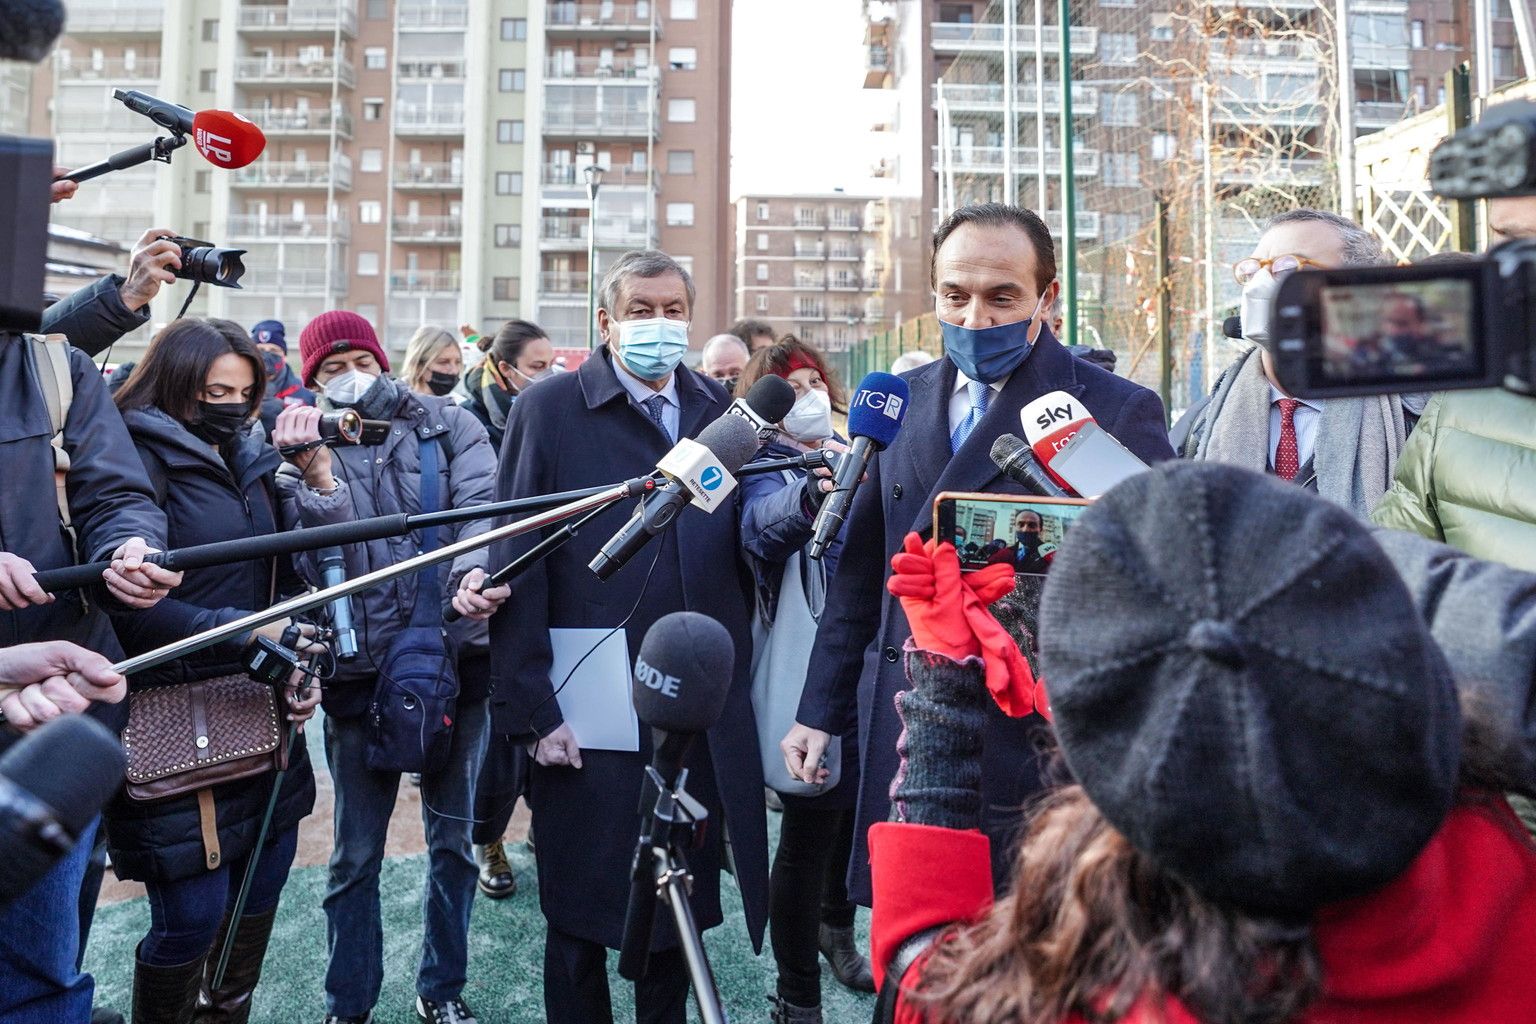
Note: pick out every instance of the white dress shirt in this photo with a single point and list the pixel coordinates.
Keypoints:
(960, 398)
(671, 413)
(1306, 426)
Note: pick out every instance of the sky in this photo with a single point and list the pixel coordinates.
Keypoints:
(800, 117)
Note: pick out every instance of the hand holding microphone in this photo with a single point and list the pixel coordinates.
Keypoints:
(473, 603)
(874, 417)
(40, 682)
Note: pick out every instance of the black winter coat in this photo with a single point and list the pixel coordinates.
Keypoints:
(205, 500)
(94, 317)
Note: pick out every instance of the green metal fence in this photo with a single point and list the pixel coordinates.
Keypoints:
(880, 351)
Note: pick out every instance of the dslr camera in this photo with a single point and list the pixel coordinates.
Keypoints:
(208, 263)
(1433, 327)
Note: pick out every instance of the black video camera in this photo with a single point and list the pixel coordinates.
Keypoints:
(342, 429)
(1432, 327)
(208, 263)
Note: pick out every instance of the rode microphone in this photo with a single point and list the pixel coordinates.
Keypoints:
(1076, 452)
(765, 405)
(52, 784)
(874, 417)
(224, 138)
(682, 675)
(699, 470)
(1018, 463)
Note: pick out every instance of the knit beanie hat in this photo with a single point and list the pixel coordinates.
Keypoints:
(340, 330)
(269, 332)
(1244, 687)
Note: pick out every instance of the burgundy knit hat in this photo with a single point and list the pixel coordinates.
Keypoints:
(340, 330)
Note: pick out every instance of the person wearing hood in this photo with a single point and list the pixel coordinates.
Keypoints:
(433, 362)
(515, 357)
(1228, 844)
(1345, 449)
(191, 410)
(342, 356)
(283, 386)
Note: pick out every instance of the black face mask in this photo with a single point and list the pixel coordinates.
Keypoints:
(729, 383)
(441, 383)
(274, 364)
(218, 422)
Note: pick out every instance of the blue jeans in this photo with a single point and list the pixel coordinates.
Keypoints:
(364, 801)
(184, 915)
(40, 945)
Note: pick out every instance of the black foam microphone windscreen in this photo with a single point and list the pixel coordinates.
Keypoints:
(771, 397)
(683, 672)
(28, 28)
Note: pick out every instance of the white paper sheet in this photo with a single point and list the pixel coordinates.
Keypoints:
(596, 701)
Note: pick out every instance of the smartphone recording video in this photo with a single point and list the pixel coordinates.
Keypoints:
(1021, 530)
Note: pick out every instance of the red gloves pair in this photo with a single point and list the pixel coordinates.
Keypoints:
(947, 611)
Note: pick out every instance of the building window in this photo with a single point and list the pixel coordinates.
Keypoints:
(378, 10)
(679, 161)
(375, 58)
(762, 211)
(685, 10)
(1119, 108)
(762, 241)
(1162, 28)
(509, 236)
(1421, 94)
(202, 181)
(509, 131)
(505, 289)
(1416, 34)
(1504, 62)
(683, 58)
(370, 161)
(210, 30)
(208, 80)
(762, 303)
(682, 111)
(511, 80)
(762, 272)
(514, 30)
(1117, 47)
(368, 311)
(509, 183)
(373, 109)
(369, 211)
(1122, 170)
(679, 215)
(1163, 146)
(367, 264)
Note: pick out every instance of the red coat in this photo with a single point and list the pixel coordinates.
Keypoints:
(1453, 940)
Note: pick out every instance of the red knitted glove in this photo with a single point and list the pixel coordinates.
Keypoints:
(1009, 677)
(927, 581)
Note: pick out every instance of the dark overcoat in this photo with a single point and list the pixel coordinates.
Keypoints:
(856, 667)
(579, 430)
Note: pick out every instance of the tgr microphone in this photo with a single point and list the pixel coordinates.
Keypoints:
(1018, 463)
(225, 138)
(699, 470)
(765, 404)
(333, 573)
(873, 420)
(51, 785)
(681, 679)
(1089, 464)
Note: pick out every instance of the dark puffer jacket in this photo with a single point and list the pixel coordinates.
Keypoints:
(205, 500)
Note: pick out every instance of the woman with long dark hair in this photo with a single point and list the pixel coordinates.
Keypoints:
(1274, 810)
(192, 409)
(516, 356)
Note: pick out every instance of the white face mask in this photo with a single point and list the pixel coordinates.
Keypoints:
(1258, 306)
(349, 387)
(810, 419)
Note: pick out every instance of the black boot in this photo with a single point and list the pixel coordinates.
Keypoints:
(165, 995)
(783, 1012)
(849, 966)
(230, 1003)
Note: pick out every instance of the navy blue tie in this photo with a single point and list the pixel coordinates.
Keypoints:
(655, 406)
(981, 396)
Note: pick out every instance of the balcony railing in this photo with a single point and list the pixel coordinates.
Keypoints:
(810, 223)
(571, 176)
(620, 122)
(567, 16)
(444, 119)
(274, 174)
(607, 69)
(425, 282)
(1246, 49)
(103, 16)
(114, 227)
(304, 229)
(275, 121)
(810, 312)
(432, 15)
(989, 160)
(428, 229)
(1380, 113)
(963, 97)
(306, 17)
(1087, 222)
(1297, 170)
(294, 71)
(431, 68)
(107, 71)
(292, 281)
(844, 254)
(562, 283)
(809, 282)
(612, 232)
(955, 37)
(810, 252)
(448, 175)
(846, 284)
(845, 224)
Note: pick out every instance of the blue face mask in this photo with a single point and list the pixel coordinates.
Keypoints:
(990, 353)
(651, 349)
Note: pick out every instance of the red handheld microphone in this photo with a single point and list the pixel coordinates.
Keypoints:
(1074, 449)
(226, 139)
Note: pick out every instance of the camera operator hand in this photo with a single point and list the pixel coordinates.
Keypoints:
(298, 425)
(274, 631)
(135, 582)
(17, 587)
(62, 190)
(40, 682)
(474, 603)
(303, 697)
(153, 257)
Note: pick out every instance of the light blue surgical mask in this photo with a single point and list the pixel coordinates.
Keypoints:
(651, 349)
(989, 354)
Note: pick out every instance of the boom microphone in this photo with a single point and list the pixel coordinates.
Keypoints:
(699, 470)
(52, 784)
(1018, 463)
(681, 679)
(873, 420)
(765, 405)
(1076, 451)
(225, 138)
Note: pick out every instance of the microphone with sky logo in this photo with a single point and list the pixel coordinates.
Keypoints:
(874, 417)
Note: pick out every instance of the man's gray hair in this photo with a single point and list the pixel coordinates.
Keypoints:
(646, 263)
(1360, 246)
(720, 341)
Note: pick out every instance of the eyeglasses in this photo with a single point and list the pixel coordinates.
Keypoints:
(1279, 266)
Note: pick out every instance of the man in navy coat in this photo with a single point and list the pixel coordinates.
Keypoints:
(994, 275)
(611, 420)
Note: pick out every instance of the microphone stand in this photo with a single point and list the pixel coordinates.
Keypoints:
(528, 559)
(161, 149)
(676, 824)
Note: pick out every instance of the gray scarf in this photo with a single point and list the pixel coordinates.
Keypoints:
(1358, 439)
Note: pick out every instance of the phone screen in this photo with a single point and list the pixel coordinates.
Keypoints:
(1021, 530)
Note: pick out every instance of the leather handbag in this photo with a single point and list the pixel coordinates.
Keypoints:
(189, 736)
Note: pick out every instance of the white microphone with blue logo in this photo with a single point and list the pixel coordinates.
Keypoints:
(698, 470)
(873, 420)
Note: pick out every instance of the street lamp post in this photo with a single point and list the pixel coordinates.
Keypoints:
(594, 176)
